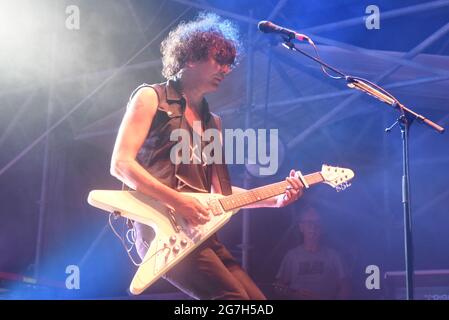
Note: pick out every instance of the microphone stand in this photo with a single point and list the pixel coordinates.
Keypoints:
(405, 120)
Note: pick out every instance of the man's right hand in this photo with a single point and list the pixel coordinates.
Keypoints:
(192, 210)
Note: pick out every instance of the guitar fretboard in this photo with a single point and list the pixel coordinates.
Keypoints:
(242, 199)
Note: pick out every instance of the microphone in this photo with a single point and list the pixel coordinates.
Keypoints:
(270, 27)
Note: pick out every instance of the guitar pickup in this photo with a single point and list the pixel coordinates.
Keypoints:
(215, 207)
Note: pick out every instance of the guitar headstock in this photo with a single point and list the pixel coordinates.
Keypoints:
(336, 177)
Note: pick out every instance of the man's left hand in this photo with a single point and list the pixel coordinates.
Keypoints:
(293, 193)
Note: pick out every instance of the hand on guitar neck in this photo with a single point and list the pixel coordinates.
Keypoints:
(293, 190)
(291, 194)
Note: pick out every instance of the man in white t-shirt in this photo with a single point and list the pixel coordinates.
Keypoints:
(311, 270)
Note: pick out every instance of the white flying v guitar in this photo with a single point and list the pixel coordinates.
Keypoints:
(175, 238)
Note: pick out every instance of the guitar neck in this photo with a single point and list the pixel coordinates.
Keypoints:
(243, 199)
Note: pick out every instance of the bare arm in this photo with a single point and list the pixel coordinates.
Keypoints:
(132, 133)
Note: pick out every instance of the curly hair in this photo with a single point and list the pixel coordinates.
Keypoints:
(197, 40)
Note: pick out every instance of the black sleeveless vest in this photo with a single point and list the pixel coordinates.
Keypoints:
(154, 155)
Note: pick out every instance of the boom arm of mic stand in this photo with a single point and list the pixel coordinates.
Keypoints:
(362, 86)
(367, 88)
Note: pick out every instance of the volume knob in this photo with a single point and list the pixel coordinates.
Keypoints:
(172, 239)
